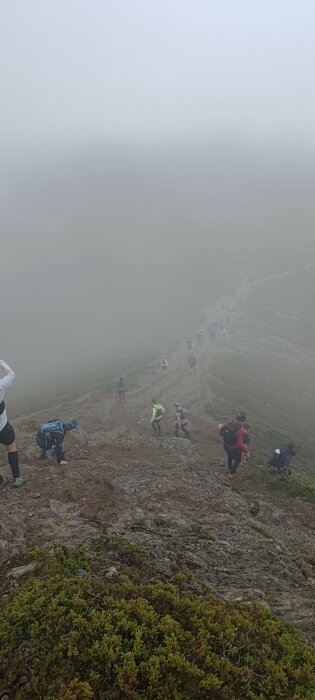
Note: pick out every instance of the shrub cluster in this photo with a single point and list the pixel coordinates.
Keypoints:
(69, 638)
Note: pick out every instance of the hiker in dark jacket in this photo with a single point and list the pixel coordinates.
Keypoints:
(281, 457)
(181, 420)
(232, 433)
(121, 388)
(51, 435)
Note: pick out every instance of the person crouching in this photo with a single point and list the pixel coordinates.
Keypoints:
(51, 435)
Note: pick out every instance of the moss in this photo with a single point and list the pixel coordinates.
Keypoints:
(78, 639)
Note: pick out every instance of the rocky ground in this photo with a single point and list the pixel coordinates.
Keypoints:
(170, 495)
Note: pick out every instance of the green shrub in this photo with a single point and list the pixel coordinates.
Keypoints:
(295, 485)
(78, 639)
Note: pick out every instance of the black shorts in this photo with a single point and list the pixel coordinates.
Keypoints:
(7, 435)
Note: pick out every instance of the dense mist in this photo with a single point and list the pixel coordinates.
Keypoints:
(109, 256)
(152, 155)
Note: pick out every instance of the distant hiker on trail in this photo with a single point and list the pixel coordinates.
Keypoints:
(157, 415)
(211, 332)
(51, 435)
(181, 423)
(190, 345)
(164, 365)
(7, 434)
(233, 441)
(281, 457)
(121, 388)
(192, 361)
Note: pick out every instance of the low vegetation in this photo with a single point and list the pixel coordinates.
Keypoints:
(295, 485)
(81, 638)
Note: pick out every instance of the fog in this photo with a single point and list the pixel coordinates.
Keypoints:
(153, 154)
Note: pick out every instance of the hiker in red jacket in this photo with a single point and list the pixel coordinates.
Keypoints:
(232, 433)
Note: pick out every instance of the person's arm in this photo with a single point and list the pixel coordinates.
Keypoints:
(153, 414)
(8, 379)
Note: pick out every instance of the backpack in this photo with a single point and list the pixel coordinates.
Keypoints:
(274, 459)
(53, 426)
(229, 435)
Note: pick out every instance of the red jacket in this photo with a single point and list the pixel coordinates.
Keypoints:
(238, 444)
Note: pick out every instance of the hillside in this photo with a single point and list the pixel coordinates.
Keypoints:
(249, 540)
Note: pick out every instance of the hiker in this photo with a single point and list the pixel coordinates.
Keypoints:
(211, 332)
(181, 420)
(164, 365)
(157, 415)
(7, 434)
(51, 435)
(246, 435)
(192, 361)
(281, 457)
(121, 388)
(233, 441)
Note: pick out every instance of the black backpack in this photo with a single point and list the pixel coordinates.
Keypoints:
(229, 435)
(274, 459)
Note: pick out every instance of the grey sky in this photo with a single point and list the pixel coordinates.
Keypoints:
(75, 71)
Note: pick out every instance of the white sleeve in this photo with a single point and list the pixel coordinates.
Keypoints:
(7, 380)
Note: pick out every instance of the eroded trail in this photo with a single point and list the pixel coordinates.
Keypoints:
(171, 495)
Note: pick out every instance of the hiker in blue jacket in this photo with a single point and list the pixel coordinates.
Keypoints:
(51, 435)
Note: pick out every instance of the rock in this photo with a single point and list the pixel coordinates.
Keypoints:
(21, 570)
(306, 569)
(112, 571)
(80, 573)
(254, 509)
(139, 517)
(23, 680)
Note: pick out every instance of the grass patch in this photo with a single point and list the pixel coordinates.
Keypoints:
(295, 485)
(200, 533)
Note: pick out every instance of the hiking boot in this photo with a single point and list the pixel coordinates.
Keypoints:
(20, 481)
(63, 461)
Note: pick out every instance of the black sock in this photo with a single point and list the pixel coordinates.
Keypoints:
(14, 464)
